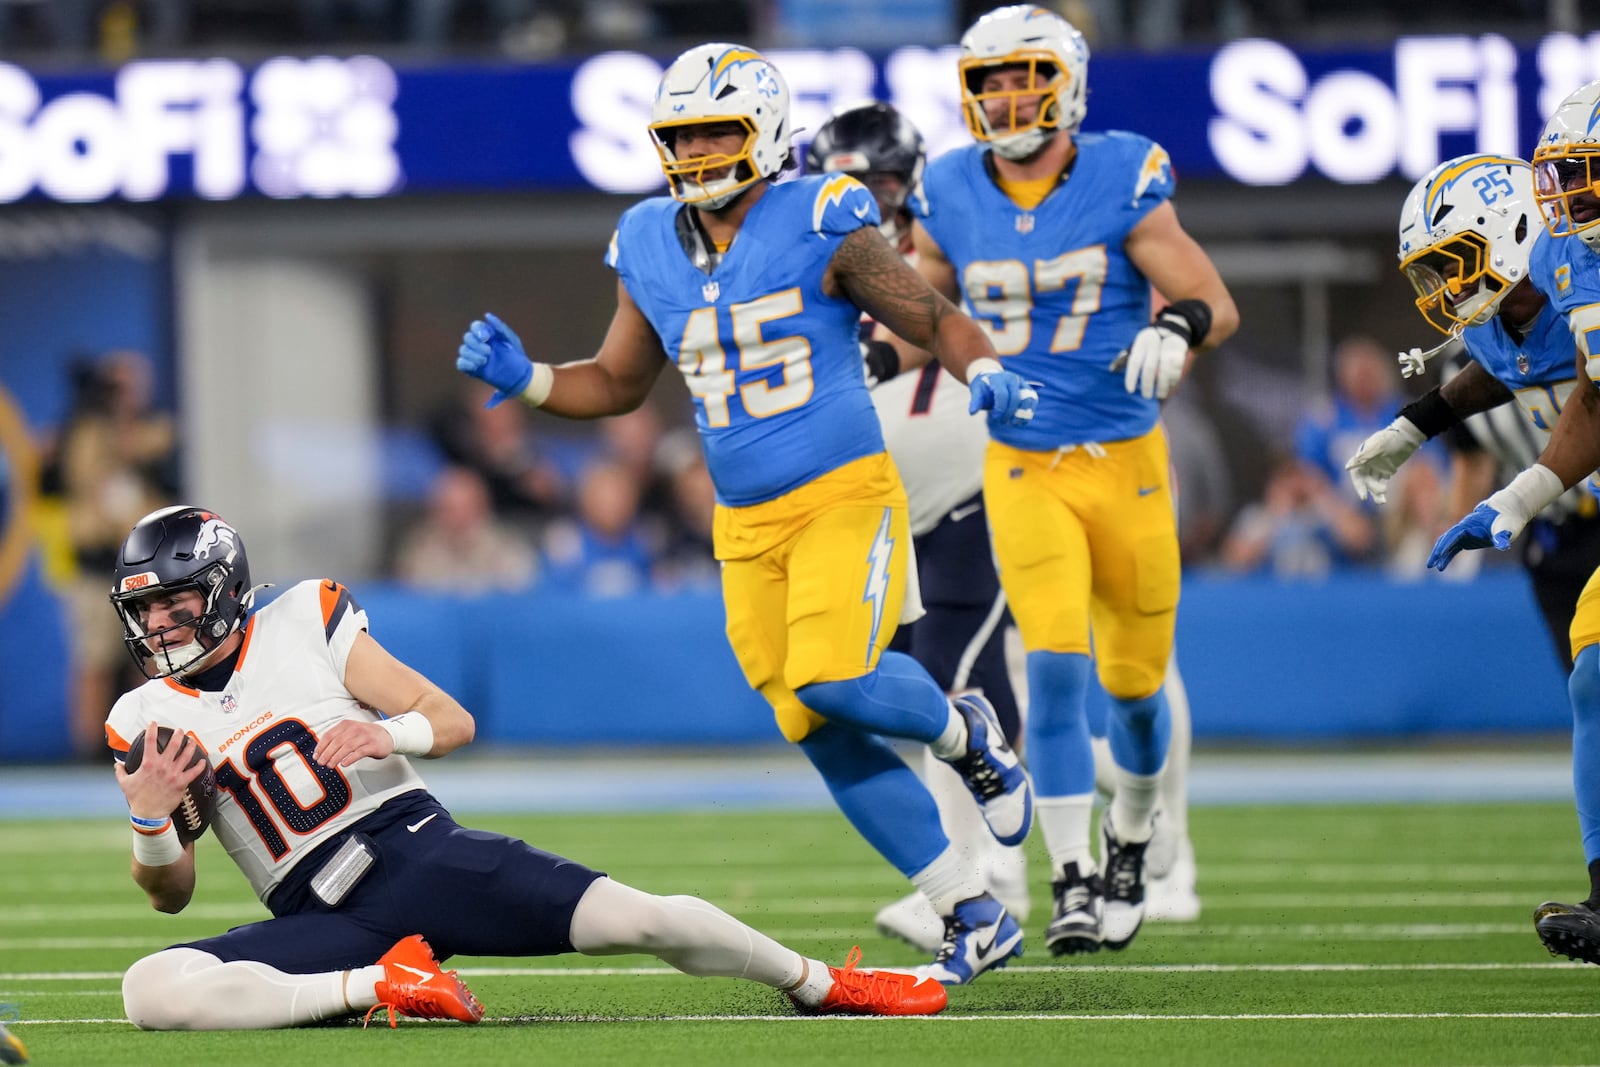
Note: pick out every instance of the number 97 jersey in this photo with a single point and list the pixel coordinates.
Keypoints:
(274, 803)
(1050, 284)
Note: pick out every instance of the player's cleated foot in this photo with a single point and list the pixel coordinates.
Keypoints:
(1075, 919)
(874, 992)
(414, 985)
(992, 771)
(1570, 930)
(912, 919)
(1172, 898)
(980, 935)
(1122, 882)
(12, 1050)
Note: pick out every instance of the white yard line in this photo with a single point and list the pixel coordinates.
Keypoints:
(1002, 1017)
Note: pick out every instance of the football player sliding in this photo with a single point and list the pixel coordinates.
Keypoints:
(312, 726)
(1054, 238)
(1566, 165)
(754, 291)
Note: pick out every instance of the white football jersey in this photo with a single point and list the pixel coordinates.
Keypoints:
(936, 445)
(274, 805)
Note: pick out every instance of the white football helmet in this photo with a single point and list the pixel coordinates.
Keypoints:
(1566, 166)
(1055, 55)
(1466, 231)
(722, 83)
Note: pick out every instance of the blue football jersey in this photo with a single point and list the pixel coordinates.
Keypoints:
(1539, 370)
(1051, 285)
(773, 363)
(1568, 272)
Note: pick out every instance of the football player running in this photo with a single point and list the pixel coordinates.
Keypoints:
(1566, 165)
(754, 291)
(312, 727)
(1054, 239)
(1466, 235)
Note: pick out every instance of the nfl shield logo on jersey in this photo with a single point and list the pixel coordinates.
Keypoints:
(711, 290)
(1025, 222)
(1522, 363)
(229, 705)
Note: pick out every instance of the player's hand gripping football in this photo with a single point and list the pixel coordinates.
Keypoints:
(1380, 456)
(156, 787)
(492, 353)
(1004, 395)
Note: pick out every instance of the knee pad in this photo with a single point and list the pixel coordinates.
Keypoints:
(157, 989)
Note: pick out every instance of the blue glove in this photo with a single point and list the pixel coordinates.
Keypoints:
(1008, 399)
(1480, 529)
(491, 353)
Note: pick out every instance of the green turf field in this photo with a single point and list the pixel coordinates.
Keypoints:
(1348, 935)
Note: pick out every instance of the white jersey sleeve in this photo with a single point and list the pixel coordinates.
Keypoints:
(275, 805)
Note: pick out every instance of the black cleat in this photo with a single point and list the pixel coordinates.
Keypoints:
(1122, 882)
(1570, 930)
(1075, 918)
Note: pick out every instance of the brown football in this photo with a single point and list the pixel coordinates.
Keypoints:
(199, 804)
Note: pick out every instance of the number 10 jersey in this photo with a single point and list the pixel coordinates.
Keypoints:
(274, 804)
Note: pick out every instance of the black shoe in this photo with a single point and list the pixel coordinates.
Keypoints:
(1570, 930)
(1122, 881)
(1075, 918)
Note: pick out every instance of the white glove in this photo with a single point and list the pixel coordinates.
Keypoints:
(1155, 361)
(1380, 456)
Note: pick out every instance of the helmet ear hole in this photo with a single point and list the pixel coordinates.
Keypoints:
(1521, 233)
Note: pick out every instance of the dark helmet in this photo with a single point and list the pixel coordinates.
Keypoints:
(173, 550)
(866, 139)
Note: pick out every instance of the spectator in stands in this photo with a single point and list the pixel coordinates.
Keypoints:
(602, 551)
(459, 546)
(1363, 402)
(525, 486)
(1304, 528)
(118, 463)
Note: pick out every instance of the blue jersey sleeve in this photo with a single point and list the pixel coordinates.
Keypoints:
(842, 206)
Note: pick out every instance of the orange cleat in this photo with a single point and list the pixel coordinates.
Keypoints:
(414, 985)
(876, 992)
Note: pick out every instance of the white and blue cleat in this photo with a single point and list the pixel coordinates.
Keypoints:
(980, 935)
(992, 771)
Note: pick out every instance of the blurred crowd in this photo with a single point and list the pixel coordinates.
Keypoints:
(116, 30)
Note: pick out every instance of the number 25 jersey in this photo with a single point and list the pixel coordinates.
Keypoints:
(1051, 285)
(274, 804)
(772, 361)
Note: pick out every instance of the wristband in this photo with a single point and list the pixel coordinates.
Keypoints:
(1431, 413)
(1528, 494)
(537, 391)
(882, 361)
(157, 849)
(979, 367)
(412, 733)
(1193, 315)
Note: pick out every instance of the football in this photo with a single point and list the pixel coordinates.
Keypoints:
(194, 812)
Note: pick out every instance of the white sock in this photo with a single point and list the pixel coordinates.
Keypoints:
(691, 934)
(1134, 803)
(813, 986)
(1174, 800)
(963, 823)
(1064, 821)
(1105, 767)
(949, 880)
(186, 989)
(952, 742)
(361, 988)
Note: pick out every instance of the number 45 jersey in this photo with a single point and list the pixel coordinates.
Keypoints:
(274, 805)
(772, 361)
(1051, 285)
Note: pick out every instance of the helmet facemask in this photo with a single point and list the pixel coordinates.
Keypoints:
(1044, 89)
(1566, 183)
(687, 177)
(210, 626)
(1455, 286)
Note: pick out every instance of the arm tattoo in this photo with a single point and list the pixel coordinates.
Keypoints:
(879, 281)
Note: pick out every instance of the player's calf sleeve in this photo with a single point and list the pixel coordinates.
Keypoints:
(186, 989)
(1059, 756)
(1139, 731)
(883, 798)
(898, 699)
(1583, 687)
(691, 934)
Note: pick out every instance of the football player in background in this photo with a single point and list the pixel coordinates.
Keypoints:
(1566, 166)
(1055, 238)
(755, 290)
(312, 725)
(1467, 231)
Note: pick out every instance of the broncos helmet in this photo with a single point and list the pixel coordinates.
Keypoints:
(1566, 165)
(722, 83)
(872, 139)
(1051, 49)
(173, 550)
(1466, 231)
